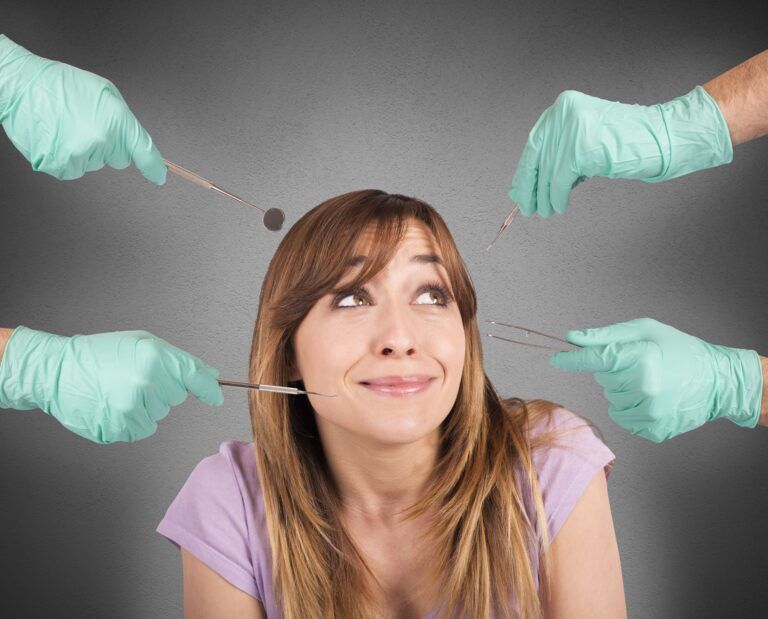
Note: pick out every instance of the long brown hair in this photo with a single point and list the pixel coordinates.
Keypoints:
(486, 544)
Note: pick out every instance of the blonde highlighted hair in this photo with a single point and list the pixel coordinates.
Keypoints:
(486, 544)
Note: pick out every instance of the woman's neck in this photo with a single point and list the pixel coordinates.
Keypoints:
(377, 481)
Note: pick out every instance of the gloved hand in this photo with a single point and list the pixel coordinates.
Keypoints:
(106, 387)
(662, 382)
(582, 136)
(67, 121)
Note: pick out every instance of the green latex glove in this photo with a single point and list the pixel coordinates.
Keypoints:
(582, 136)
(662, 382)
(106, 387)
(67, 121)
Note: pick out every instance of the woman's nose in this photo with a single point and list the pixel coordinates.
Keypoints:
(395, 336)
(388, 351)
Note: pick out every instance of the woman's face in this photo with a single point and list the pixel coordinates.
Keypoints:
(392, 352)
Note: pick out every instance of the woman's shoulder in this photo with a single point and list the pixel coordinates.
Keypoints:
(218, 515)
(235, 461)
(554, 430)
(233, 456)
(566, 455)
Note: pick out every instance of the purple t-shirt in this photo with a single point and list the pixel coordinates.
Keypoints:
(218, 515)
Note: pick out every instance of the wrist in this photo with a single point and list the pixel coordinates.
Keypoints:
(695, 135)
(764, 403)
(5, 335)
(18, 69)
(739, 388)
(28, 368)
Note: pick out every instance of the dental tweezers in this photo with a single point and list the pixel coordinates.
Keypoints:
(505, 224)
(273, 388)
(527, 332)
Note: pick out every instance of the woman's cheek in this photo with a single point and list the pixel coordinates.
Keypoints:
(448, 347)
(336, 354)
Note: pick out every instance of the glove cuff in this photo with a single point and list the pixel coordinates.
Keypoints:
(740, 386)
(695, 136)
(29, 369)
(18, 69)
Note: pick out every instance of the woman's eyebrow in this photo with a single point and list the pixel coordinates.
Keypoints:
(421, 258)
(428, 259)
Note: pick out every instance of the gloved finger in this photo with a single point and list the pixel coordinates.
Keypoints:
(145, 155)
(608, 380)
(204, 386)
(93, 145)
(525, 181)
(610, 358)
(150, 162)
(117, 155)
(122, 120)
(78, 155)
(630, 378)
(157, 406)
(543, 185)
(198, 378)
(636, 420)
(127, 418)
(166, 368)
(563, 180)
(188, 372)
(637, 329)
(623, 400)
(174, 393)
(132, 134)
(522, 190)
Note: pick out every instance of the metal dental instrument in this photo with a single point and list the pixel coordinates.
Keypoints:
(273, 218)
(527, 332)
(505, 224)
(273, 388)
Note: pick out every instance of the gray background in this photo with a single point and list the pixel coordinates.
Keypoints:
(292, 105)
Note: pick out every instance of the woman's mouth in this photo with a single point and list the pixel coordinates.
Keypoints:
(398, 386)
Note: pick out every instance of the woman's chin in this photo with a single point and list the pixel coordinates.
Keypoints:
(392, 429)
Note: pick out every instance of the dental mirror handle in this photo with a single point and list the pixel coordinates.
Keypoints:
(188, 174)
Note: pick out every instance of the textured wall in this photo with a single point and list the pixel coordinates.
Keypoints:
(293, 105)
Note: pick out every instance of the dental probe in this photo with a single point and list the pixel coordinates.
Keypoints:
(273, 388)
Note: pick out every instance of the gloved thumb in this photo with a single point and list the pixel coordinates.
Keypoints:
(610, 358)
(148, 160)
(203, 385)
(638, 329)
(145, 155)
(590, 359)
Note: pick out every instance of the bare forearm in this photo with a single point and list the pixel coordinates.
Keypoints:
(5, 335)
(741, 94)
(764, 406)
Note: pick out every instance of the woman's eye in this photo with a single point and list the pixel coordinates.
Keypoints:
(352, 300)
(432, 297)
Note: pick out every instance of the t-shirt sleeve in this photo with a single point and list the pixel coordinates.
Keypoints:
(567, 465)
(208, 519)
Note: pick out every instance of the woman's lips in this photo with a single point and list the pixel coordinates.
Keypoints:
(398, 386)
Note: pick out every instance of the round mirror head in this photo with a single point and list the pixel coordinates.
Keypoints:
(273, 219)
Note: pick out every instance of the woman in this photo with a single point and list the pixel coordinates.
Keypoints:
(415, 491)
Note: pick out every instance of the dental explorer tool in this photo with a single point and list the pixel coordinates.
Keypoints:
(505, 224)
(273, 218)
(273, 388)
